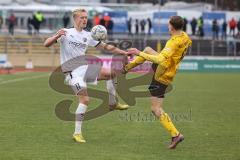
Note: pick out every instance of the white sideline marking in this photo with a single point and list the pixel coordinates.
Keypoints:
(23, 79)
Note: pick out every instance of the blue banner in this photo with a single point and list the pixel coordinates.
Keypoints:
(160, 21)
(119, 19)
(208, 18)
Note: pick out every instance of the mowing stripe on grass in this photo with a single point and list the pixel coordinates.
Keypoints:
(23, 79)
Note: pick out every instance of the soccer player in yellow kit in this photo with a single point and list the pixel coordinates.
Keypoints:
(165, 65)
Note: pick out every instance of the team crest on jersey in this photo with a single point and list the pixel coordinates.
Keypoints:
(84, 39)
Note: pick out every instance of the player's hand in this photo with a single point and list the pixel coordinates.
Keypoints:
(60, 33)
(133, 51)
(124, 52)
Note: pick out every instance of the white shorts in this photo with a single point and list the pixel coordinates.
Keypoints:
(82, 75)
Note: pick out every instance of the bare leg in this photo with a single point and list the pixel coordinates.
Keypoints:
(111, 83)
(80, 112)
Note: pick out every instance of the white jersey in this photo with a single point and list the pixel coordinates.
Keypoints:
(74, 44)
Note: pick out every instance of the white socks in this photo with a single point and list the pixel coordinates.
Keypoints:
(79, 117)
(111, 87)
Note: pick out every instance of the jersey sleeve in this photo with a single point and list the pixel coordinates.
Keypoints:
(153, 58)
(161, 58)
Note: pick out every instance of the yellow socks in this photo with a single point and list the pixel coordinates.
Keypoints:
(165, 120)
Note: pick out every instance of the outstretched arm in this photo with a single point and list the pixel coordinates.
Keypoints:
(111, 48)
(51, 40)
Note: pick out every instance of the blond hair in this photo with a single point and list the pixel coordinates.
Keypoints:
(74, 12)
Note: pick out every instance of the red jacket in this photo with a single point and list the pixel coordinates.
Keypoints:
(233, 23)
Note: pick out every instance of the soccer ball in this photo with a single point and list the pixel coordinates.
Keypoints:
(99, 33)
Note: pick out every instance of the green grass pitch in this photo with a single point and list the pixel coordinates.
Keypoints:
(205, 108)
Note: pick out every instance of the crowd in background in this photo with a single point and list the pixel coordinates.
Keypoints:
(232, 24)
(197, 27)
(33, 23)
(134, 26)
(140, 26)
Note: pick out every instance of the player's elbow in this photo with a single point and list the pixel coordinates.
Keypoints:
(46, 44)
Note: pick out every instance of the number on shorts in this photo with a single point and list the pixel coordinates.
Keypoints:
(78, 86)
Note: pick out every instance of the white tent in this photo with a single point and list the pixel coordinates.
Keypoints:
(33, 6)
(5, 2)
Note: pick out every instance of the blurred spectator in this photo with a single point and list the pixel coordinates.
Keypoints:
(38, 18)
(106, 18)
(194, 26)
(238, 27)
(129, 25)
(66, 20)
(149, 25)
(11, 23)
(185, 24)
(215, 29)
(96, 20)
(1, 22)
(224, 30)
(143, 24)
(136, 26)
(200, 24)
(29, 25)
(232, 25)
(102, 21)
(231, 45)
(110, 26)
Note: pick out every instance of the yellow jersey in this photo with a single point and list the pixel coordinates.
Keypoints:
(167, 60)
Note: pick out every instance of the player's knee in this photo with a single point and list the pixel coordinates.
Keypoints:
(84, 100)
(156, 111)
(113, 74)
(147, 48)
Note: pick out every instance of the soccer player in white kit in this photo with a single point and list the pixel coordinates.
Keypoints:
(74, 43)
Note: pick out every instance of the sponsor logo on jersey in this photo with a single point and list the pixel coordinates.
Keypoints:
(78, 44)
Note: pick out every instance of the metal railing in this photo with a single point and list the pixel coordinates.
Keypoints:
(200, 47)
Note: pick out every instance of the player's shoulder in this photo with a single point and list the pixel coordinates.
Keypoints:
(180, 37)
(181, 40)
(86, 32)
(69, 29)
